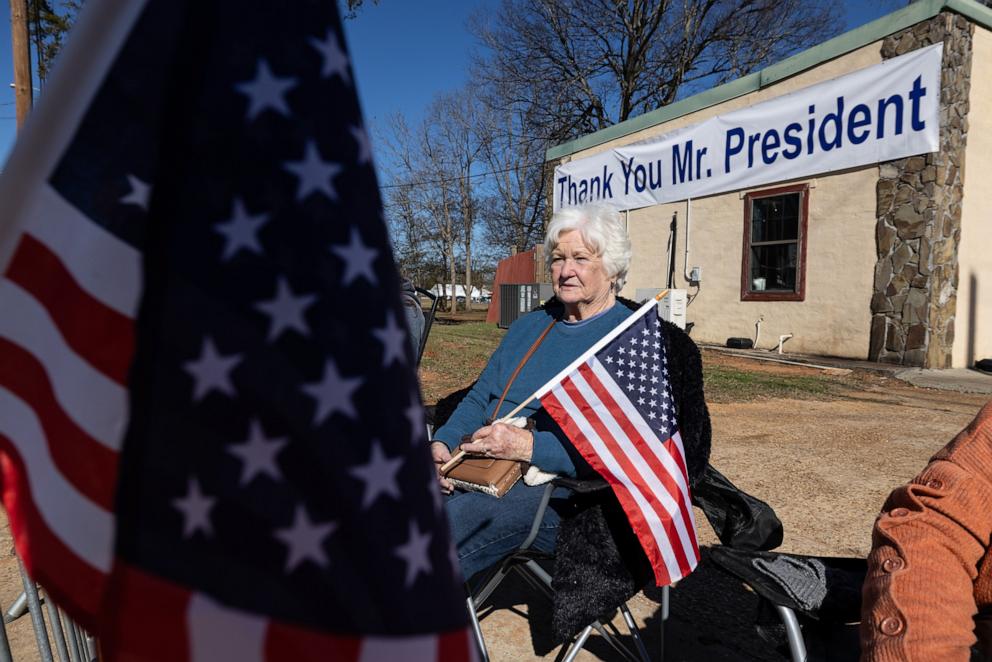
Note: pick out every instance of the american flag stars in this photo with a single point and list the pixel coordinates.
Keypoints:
(305, 539)
(266, 91)
(139, 194)
(212, 371)
(249, 431)
(290, 313)
(258, 455)
(629, 440)
(358, 259)
(286, 310)
(333, 393)
(635, 380)
(378, 475)
(195, 508)
(394, 340)
(240, 231)
(315, 174)
(335, 59)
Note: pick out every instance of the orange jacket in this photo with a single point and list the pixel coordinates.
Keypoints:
(929, 584)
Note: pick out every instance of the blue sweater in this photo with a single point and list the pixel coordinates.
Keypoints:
(563, 344)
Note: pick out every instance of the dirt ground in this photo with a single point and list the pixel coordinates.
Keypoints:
(826, 467)
(824, 463)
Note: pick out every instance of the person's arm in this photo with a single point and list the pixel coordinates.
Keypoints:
(550, 454)
(927, 547)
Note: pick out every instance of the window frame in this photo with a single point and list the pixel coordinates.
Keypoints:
(799, 294)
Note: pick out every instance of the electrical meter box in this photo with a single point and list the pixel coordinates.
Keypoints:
(671, 307)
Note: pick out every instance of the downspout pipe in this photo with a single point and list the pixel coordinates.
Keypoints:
(673, 234)
(688, 226)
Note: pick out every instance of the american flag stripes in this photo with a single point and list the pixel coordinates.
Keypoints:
(615, 404)
(211, 438)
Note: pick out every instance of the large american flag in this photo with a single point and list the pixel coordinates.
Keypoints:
(211, 436)
(615, 404)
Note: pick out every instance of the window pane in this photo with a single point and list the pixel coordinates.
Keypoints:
(775, 218)
(773, 268)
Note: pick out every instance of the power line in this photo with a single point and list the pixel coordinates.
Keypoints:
(431, 182)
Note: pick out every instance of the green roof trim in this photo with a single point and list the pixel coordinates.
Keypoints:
(844, 43)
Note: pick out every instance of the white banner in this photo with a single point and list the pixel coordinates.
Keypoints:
(883, 112)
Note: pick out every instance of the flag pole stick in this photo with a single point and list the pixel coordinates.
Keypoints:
(589, 352)
(455, 459)
(602, 342)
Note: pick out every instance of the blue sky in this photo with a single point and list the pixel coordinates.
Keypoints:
(403, 54)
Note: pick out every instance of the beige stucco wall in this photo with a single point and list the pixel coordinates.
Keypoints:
(840, 246)
(973, 320)
(835, 317)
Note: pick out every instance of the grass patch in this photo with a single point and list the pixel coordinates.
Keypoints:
(455, 355)
(457, 352)
(727, 384)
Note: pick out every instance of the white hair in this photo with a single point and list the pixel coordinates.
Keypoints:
(602, 230)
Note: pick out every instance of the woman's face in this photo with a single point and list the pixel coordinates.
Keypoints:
(577, 272)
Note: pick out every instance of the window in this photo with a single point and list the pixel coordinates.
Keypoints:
(774, 267)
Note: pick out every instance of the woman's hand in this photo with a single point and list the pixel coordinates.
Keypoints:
(441, 454)
(502, 441)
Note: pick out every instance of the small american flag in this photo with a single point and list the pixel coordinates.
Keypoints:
(211, 436)
(615, 404)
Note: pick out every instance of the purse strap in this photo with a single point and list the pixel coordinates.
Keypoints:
(520, 365)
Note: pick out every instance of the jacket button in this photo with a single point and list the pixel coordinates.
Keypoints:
(891, 625)
(899, 512)
(893, 564)
(935, 483)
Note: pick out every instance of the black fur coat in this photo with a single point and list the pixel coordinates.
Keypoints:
(599, 563)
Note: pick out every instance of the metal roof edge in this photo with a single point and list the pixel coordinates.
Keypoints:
(978, 13)
(807, 59)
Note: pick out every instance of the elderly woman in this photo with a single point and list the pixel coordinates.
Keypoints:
(588, 252)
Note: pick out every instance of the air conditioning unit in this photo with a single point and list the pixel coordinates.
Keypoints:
(670, 308)
(519, 299)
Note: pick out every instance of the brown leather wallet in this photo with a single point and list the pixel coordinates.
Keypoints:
(485, 474)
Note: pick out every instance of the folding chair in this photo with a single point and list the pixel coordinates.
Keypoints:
(429, 315)
(525, 562)
(822, 590)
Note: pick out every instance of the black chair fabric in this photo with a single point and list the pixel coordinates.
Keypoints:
(429, 315)
(842, 577)
(740, 520)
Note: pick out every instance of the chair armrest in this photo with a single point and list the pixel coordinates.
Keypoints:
(580, 486)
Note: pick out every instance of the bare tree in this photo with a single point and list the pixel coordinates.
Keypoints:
(514, 208)
(554, 70)
(584, 65)
(353, 6)
(49, 23)
(434, 194)
(422, 201)
(458, 120)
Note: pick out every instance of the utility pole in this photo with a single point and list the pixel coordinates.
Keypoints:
(22, 59)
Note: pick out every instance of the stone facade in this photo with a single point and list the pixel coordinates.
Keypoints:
(918, 214)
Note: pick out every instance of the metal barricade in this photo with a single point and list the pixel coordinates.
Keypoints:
(57, 637)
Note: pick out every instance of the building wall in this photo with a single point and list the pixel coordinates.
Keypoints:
(833, 319)
(883, 278)
(918, 227)
(835, 316)
(973, 323)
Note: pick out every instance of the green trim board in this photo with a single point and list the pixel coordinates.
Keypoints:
(897, 21)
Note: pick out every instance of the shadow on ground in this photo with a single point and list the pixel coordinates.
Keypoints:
(713, 618)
